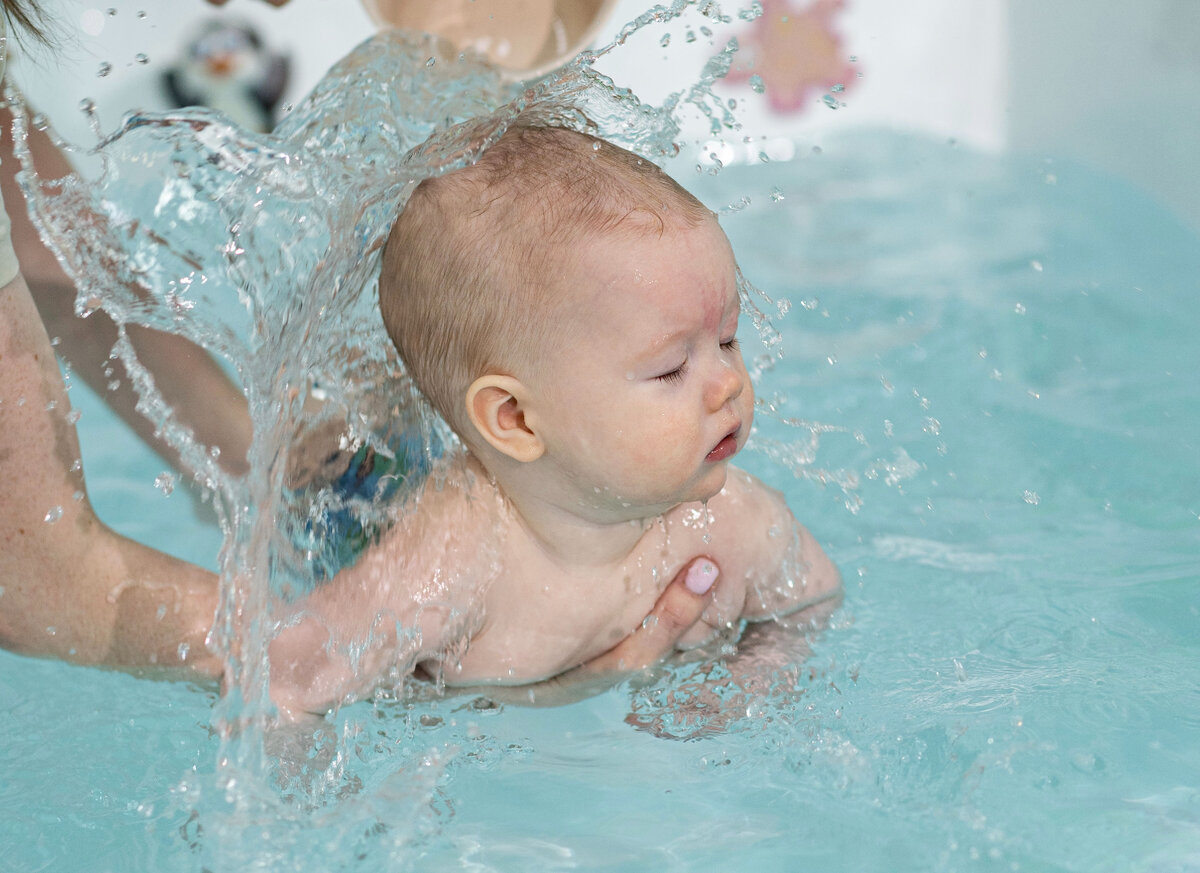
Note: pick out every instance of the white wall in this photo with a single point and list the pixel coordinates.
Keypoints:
(1111, 82)
(937, 66)
(1115, 83)
(317, 33)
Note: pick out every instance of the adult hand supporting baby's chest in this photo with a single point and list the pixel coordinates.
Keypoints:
(677, 610)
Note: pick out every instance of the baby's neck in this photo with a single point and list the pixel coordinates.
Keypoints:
(566, 534)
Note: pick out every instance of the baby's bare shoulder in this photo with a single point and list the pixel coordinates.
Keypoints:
(755, 535)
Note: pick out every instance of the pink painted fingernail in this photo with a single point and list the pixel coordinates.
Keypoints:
(701, 576)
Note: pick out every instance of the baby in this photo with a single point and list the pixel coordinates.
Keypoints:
(572, 313)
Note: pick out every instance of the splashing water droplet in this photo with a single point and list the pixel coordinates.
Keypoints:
(752, 12)
(1032, 498)
(104, 69)
(831, 101)
(756, 84)
(141, 58)
(165, 482)
(53, 514)
(776, 195)
(665, 41)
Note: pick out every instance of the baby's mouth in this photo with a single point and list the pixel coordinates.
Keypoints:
(726, 448)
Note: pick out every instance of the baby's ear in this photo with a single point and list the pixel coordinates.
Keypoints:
(496, 407)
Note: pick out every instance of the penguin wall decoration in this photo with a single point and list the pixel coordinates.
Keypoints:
(226, 67)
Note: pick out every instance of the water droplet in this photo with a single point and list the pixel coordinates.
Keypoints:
(690, 36)
(960, 672)
(830, 101)
(1019, 309)
(756, 84)
(53, 514)
(141, 14)
(165, 482)
(104, 69)
(776, 195)
(1037, 265)
(665, 41)
(838, 89)
(1032, 498)
(141, 58)
(752, 12)
(111, 12)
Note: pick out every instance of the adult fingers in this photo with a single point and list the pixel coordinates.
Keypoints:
(678, 608)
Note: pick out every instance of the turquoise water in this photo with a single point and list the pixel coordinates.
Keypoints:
(1008, 349)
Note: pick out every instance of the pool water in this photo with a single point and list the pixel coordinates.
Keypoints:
(1006, 350)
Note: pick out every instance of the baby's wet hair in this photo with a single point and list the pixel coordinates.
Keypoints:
(478, 261)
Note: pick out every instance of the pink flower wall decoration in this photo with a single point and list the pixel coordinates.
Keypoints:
(796, 52)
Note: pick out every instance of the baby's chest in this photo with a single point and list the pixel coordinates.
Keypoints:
(552, 621)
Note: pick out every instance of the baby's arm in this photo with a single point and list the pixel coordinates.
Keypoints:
(782, 567)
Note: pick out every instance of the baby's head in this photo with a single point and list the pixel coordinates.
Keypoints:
(563, 301)
(477, 270)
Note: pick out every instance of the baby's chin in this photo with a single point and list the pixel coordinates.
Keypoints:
(711, 485)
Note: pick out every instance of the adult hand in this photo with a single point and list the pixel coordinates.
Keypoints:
(679, 607)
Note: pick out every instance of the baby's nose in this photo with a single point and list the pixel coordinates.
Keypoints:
(726, 385)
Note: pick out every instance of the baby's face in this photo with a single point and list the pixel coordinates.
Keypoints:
(647, 398)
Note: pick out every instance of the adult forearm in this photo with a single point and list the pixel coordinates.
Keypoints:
(70, 587)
